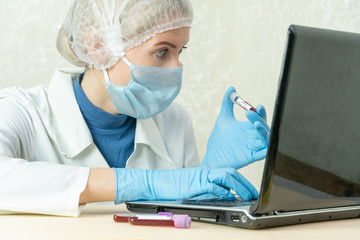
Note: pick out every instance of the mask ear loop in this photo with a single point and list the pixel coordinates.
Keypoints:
(106, 76)
(127, 61)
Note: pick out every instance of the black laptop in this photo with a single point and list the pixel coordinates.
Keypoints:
(312, 168)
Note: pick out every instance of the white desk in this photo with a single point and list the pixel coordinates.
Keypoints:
(96, 222)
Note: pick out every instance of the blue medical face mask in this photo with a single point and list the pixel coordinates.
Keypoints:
(150, 91)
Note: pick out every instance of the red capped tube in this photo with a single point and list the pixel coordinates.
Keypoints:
(160, 219)
(236, 99)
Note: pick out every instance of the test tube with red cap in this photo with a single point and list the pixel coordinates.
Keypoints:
(160, 219)
(236, 99)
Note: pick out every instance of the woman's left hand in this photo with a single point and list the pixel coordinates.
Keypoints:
(236, 144)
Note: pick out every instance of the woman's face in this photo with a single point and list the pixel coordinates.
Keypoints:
(163, 50)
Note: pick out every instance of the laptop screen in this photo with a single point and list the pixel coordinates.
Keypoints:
(314, 154)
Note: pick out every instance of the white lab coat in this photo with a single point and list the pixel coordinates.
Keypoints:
(46, 149)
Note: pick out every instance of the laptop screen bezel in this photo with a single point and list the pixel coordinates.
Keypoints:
(268, 172)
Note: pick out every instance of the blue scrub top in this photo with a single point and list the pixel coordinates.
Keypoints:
(113, 135)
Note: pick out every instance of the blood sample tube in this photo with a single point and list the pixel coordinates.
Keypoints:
(160, 219)
(235, 98)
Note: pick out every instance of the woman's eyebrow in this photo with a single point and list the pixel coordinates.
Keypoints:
(166, 43)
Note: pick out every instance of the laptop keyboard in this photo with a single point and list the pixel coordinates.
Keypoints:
(219, 202)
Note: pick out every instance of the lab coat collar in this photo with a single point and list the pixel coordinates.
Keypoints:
(147, 132)
(71, 130)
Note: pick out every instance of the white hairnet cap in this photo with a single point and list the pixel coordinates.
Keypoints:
(97, 33)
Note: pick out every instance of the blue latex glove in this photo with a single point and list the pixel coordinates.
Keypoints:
(184, 183)
(236, 144)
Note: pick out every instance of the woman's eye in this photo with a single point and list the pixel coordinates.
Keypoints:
(161, 53)
(184, 47)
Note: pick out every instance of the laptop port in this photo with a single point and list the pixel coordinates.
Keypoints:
(235, 218)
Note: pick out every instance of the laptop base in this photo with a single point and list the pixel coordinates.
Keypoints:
(242, 218)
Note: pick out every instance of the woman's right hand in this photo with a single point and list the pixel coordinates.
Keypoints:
(184, 183)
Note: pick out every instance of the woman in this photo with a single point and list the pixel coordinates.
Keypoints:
(111, 132)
